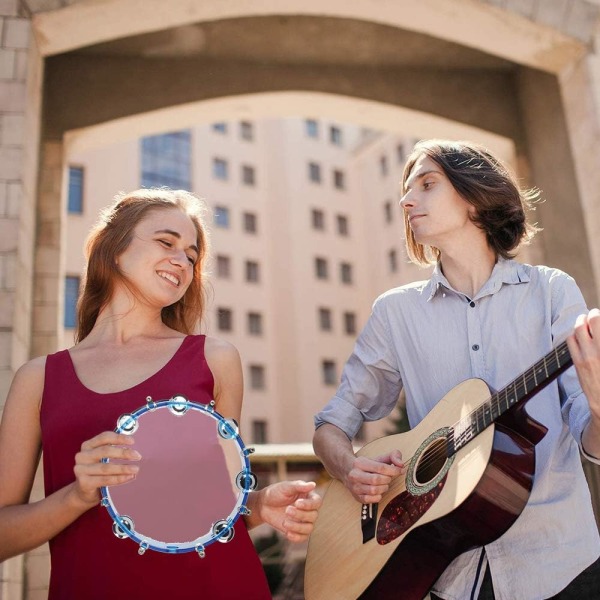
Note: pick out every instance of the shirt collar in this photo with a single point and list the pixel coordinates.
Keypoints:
(505, 271)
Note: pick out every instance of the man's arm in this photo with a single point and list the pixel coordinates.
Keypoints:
(367, 479)
(584, 346)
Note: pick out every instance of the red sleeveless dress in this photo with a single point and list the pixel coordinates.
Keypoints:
(87, 561)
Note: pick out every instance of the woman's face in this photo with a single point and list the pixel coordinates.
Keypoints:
(159, 262)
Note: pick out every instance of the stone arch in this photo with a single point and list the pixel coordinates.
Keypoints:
(474, 24)
(367, 113)
(484, 68)
(539, 85)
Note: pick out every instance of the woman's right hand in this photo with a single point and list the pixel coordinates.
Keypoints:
(91, 473)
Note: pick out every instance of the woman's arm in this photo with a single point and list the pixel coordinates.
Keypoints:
(25, 526)
(288, 506)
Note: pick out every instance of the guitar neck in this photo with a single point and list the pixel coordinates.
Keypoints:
(519, 390)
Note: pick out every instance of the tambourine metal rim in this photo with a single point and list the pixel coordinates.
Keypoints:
(222, 530)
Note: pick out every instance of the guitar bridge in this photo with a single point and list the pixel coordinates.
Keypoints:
(368, 521)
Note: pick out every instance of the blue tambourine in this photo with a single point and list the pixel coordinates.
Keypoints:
(193, 482)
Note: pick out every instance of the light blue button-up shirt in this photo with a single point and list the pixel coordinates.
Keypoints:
(426, 337)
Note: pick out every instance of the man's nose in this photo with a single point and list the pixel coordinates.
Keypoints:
(406, 201)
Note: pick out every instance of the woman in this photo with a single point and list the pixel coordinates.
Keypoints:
(142, 299)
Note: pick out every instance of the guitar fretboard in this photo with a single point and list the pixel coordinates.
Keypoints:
(520, 389)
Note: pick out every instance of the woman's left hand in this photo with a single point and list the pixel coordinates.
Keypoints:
(291, 507)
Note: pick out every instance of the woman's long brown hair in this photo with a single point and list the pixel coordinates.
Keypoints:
(111, 236)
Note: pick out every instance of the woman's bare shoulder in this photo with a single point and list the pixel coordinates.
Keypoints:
(28, 382)
(216, 349)
(33, 370)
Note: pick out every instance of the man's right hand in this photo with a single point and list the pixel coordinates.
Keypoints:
(369, 478)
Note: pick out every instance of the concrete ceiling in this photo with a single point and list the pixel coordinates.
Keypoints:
(302, 40)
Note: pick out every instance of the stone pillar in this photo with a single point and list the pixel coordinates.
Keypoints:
(48, 296)
(552, 160)
(48, 301)
(21, 69)
(580, 91)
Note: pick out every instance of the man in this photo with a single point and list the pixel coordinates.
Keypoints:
(480, 315)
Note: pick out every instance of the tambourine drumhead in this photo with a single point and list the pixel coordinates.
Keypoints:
(193, 481)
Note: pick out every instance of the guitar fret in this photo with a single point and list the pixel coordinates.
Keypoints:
(487, 414)
(509, 394)
(479, 420)
(537, 376)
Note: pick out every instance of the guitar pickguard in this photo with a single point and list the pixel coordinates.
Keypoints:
(404, 511)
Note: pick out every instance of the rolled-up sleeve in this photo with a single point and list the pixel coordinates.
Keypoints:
(567, 305)
(371, 381)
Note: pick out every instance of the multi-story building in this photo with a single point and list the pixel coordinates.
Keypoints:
(305, 231)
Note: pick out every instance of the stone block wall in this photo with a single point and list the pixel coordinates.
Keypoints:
(20, 103)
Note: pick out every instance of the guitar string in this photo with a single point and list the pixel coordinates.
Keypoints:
(431, 456)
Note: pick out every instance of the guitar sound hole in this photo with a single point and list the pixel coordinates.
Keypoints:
(431, 462)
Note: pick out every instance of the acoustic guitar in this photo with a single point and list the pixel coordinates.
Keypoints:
(470, 466)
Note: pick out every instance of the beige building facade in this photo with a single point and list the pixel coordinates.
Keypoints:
(76, 74)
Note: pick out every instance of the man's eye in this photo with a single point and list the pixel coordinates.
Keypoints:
(427, 185)
(166, 243)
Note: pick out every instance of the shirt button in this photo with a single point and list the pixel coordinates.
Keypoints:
(472, 304)
(475, 347)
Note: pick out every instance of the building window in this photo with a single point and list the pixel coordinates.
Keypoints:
(220, 169)
(252, 271)
(257, 377)
(71, 295)
(314, 172)
(219, 127)
(224, 319)
(321, 270)
(383, 166)
(222, 216)
(325, 323)
(255, 324)
(248, 175)
(250, 223)
(335, 135)
(400, 154)
(388, 211)
(223, 267)
(329, 372)
(342, 225)
(318, 219)
(346, 272)
(312, 128)
(75, 200)
(393, 261)
(339, 179)
(259, 432)
(350, 323)
(246, 131)
(166, 160)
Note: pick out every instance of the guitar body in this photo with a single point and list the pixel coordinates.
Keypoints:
(439, 509)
